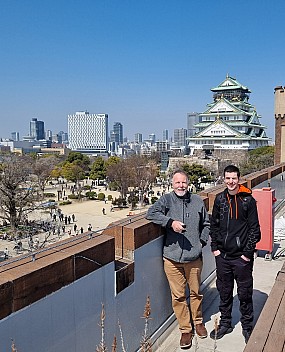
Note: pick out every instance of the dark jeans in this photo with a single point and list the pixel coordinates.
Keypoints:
(229, 270)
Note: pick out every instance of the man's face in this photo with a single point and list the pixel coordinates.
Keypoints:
(231, 180)
(180, 184)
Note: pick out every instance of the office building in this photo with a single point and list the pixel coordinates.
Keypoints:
(15, 136)
(117, 133)
(37, 129)
(192, 120)
(165, 136)
(48, 135)
(179, 137)
(138, 138)
(88, 133)
(152, 138)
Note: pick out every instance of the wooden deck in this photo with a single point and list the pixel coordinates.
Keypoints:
(269, 332)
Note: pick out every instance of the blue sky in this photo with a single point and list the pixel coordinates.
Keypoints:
(146, 63)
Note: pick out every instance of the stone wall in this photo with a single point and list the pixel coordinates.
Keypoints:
(279, 111)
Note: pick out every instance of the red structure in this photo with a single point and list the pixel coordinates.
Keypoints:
(265, 198)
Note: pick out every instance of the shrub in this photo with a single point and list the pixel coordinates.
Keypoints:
(91, 195)
(110, 197)
(66, 202)
(86, 187)
(49, 195)
(73, 196)
(101, 196)
(120, 202)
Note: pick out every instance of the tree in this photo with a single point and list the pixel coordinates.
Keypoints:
(19, 191)
(73, 171)
(143, 171)
(120, 174)
(197, 173)
(257, 159)
(98, 169)
(74, 156)
(135, 171)
(42, 169)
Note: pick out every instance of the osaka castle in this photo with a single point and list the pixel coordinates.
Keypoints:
(229, 123)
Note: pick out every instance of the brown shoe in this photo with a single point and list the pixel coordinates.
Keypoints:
(186, 340)
(201, 330)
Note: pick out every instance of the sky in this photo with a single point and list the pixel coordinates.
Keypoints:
(145, 63)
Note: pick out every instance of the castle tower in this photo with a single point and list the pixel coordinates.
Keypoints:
(279, 111)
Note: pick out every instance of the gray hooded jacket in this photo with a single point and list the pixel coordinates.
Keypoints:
(187, 246)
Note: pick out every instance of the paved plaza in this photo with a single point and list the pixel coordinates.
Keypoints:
(86, 213)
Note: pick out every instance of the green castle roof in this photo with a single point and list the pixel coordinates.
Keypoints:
(230, 83)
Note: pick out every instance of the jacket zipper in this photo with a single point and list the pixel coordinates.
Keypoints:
(183, 219)
(228, 221)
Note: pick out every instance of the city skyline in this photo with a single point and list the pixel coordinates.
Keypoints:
(145, 64)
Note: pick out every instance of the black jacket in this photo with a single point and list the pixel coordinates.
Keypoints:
(234, 224)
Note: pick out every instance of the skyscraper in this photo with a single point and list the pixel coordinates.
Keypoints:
(118, 132)
(165, 136)
(138, 138)
(88, 132)
(192, 119)
(180, 135)
(37, 129)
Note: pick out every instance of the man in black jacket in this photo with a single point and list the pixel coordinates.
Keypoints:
(234, 232)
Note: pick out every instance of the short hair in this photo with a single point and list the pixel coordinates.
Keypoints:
(232, 168)
(179, 171)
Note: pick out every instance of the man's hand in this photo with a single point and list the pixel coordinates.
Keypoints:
(216, 253)
(178, 226)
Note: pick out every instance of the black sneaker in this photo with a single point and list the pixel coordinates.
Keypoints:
(221, 332)
(246, 334)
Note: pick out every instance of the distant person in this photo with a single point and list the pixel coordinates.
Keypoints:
(186, 221)
(81, 229)
(234, 232)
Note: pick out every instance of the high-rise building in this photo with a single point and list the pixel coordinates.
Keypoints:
(15, 136)
(192, 120)
(118, 133)
(138, 138)
(37, 129)
(88, 133)
(165, 136)
(180, 135)
(152, 138)
(64, 136)
(48, 135)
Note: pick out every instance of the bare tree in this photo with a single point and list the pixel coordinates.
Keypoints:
(18, 190)
(42, 169)
(120, 173)
(136, 171)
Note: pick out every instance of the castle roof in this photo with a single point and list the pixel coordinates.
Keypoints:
(230, 83)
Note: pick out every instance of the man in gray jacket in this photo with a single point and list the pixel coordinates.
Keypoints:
(186, 221)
